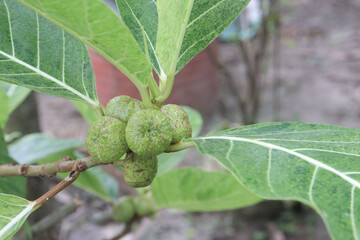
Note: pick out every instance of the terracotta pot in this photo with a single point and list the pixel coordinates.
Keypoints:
(196, 85)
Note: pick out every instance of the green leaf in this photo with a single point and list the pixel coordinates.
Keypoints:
(172, 22)
(39, 55)
(86, 111)
(10, 185)
(318, 165)
(195, 119)
(207, 21)
(168, 161)
(3, 147)
(4, 108)
(94, 23)
(171, 33)
(15, 93)
(195, 190)
(96, 181)
(40, 148)
(141, 18)
(13, 213)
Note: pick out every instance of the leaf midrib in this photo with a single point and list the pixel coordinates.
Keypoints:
(17, 218)
(44, 74)
(291, 152)
(162, 74)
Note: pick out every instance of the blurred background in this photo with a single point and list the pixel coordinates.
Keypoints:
(281, 60)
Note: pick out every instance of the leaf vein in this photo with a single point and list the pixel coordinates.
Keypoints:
(324, 150)
(10, 29)
(352, 214)
(201, 15)
(291, 152)
(51, 78)
(312, 185)
(268, 171)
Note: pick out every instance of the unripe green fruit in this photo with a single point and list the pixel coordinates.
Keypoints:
(122, 107)
(144, 206)
(148, 132)
(179, 121)
(139, 171)
(124, 209)
(105, 140)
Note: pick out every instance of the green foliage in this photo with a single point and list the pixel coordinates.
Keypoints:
(39, 55)
(144, 205)
(197, 191)
(124, 209)
(94, 23)
(3, 148)
(39, 148)
(15, 93)
(315, 164)
(86, 111)
(9, 185)
(4, 108)
(14, 211)
(171, 33)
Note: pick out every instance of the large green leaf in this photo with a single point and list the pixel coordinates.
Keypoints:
(15, 93)
(172, 22)
(39, 55)
(13, 213)
(208, 19)
(94, 23)
(4, 108)
(173, 32)
(318, 165)
(195, 190)
(10, 185)
(38, 147)
(142, 19)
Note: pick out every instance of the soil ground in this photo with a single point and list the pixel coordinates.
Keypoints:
(320, 73)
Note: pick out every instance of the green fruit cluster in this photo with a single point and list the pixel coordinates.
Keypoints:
(124, 209)
(141, 133)
(128, 207)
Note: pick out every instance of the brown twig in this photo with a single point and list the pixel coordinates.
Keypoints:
(48, 169)
(73, 175)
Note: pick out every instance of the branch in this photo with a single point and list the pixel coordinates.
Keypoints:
(48, 169)
(73, 175)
